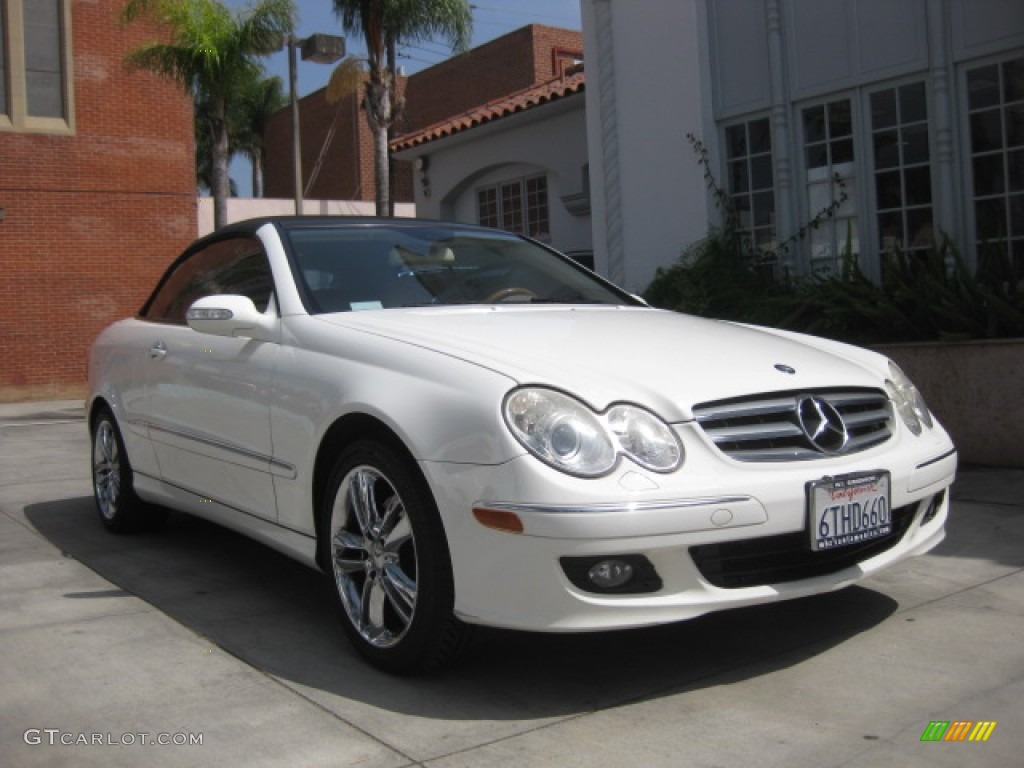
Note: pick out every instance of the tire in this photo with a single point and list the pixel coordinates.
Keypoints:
(389, 563)
(120, 509)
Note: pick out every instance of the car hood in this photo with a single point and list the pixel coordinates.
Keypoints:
(664, 360)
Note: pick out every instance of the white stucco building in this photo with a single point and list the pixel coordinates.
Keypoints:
(916, 105)
(517, 163)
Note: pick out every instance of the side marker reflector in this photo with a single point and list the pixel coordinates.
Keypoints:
(498, 519)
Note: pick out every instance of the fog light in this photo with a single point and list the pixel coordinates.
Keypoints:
(933, 507)
(609, 574)
(615, 575)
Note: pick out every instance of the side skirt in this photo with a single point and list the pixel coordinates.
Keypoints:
(298, 546)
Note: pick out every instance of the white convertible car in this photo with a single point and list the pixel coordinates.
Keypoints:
(460, 426)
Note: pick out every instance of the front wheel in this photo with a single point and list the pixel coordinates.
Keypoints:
(389, 561)
(121, 510)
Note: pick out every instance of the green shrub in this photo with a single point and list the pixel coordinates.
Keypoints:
(923, 296)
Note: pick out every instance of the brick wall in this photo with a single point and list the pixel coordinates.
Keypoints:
(491, 71)
(518, 60)
(347, 169)
(90, 220)
(343, 175)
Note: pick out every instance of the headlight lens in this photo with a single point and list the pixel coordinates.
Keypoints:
(908, 400)
(566, 434)
(644, 438)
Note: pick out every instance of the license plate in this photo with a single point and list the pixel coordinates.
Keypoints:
(849, 509)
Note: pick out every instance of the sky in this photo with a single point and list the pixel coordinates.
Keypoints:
(491, 19)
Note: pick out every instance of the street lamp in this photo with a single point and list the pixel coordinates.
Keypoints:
(323, 49)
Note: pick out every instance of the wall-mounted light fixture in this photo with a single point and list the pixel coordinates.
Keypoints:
(422, 164)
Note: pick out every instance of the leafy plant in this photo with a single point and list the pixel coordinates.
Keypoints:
(923, 296)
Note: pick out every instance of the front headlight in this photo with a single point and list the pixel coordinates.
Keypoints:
(908, 400)
(569, 436)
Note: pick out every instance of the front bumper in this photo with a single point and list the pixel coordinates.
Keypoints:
(680, 523)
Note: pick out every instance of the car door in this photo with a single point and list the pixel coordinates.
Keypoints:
(207, 397)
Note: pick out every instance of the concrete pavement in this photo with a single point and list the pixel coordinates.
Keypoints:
(195, 633)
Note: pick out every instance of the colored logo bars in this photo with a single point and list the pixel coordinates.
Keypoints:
(958, 730)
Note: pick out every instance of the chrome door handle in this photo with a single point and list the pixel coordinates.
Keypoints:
(158, 351)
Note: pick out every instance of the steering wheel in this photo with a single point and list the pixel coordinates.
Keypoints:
(503, 294)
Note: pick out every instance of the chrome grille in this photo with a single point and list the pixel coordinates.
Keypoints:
(767, 427)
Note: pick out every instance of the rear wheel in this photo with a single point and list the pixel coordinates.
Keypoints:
(389, 562)
(121, 510)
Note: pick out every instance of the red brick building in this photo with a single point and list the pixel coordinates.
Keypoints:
(97, 186)
(518, 60)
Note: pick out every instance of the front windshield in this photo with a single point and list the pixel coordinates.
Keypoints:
(344, 269)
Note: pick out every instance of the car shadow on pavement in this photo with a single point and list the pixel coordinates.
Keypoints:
(278, 616)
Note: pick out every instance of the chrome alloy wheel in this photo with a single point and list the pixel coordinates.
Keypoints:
(106, 469)
(373, 552)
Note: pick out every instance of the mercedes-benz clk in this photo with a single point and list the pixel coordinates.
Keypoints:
(460, 426)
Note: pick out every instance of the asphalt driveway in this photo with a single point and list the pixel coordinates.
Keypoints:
(130, 650)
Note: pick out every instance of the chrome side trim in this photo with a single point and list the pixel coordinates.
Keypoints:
(276, 466)
(202, 497)
(611, 507)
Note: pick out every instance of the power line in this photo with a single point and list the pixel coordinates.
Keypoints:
(521, 12)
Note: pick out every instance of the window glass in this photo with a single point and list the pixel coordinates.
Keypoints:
(983, 87)
(903, 180)
(888, 191)
(751, 183)
(537, 207)
(839, 122)
(883, 109)
(512, 207)
(996, 124)
(234, 266)
(487, 207)
(914, 141)
(736, 141)
(1013, 80)
(1015, 125)
(1015, 168)
(1017, 216)
(918, 185)
(761, 172)
(913, 106)
(988, 175)
(986, 131)
(738, 172)
(518, 205)
(829, 150)
(44, 53)
(345, 269)
(887, 149)
(814, 124)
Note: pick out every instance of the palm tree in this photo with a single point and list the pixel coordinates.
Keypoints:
(212, 53)
(383, 23)
(261, 98)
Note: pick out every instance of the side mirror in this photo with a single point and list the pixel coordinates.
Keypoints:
(230, 315)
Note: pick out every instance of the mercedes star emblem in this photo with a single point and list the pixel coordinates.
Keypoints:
(822, 424)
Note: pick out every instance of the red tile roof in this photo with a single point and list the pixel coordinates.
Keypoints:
(520, 101)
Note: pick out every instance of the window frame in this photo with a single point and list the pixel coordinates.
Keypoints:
(152, 311)
(1014, 242)
(765, 249)
(905, 209)
(15, 117)
(497, 214)
(851, 173)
